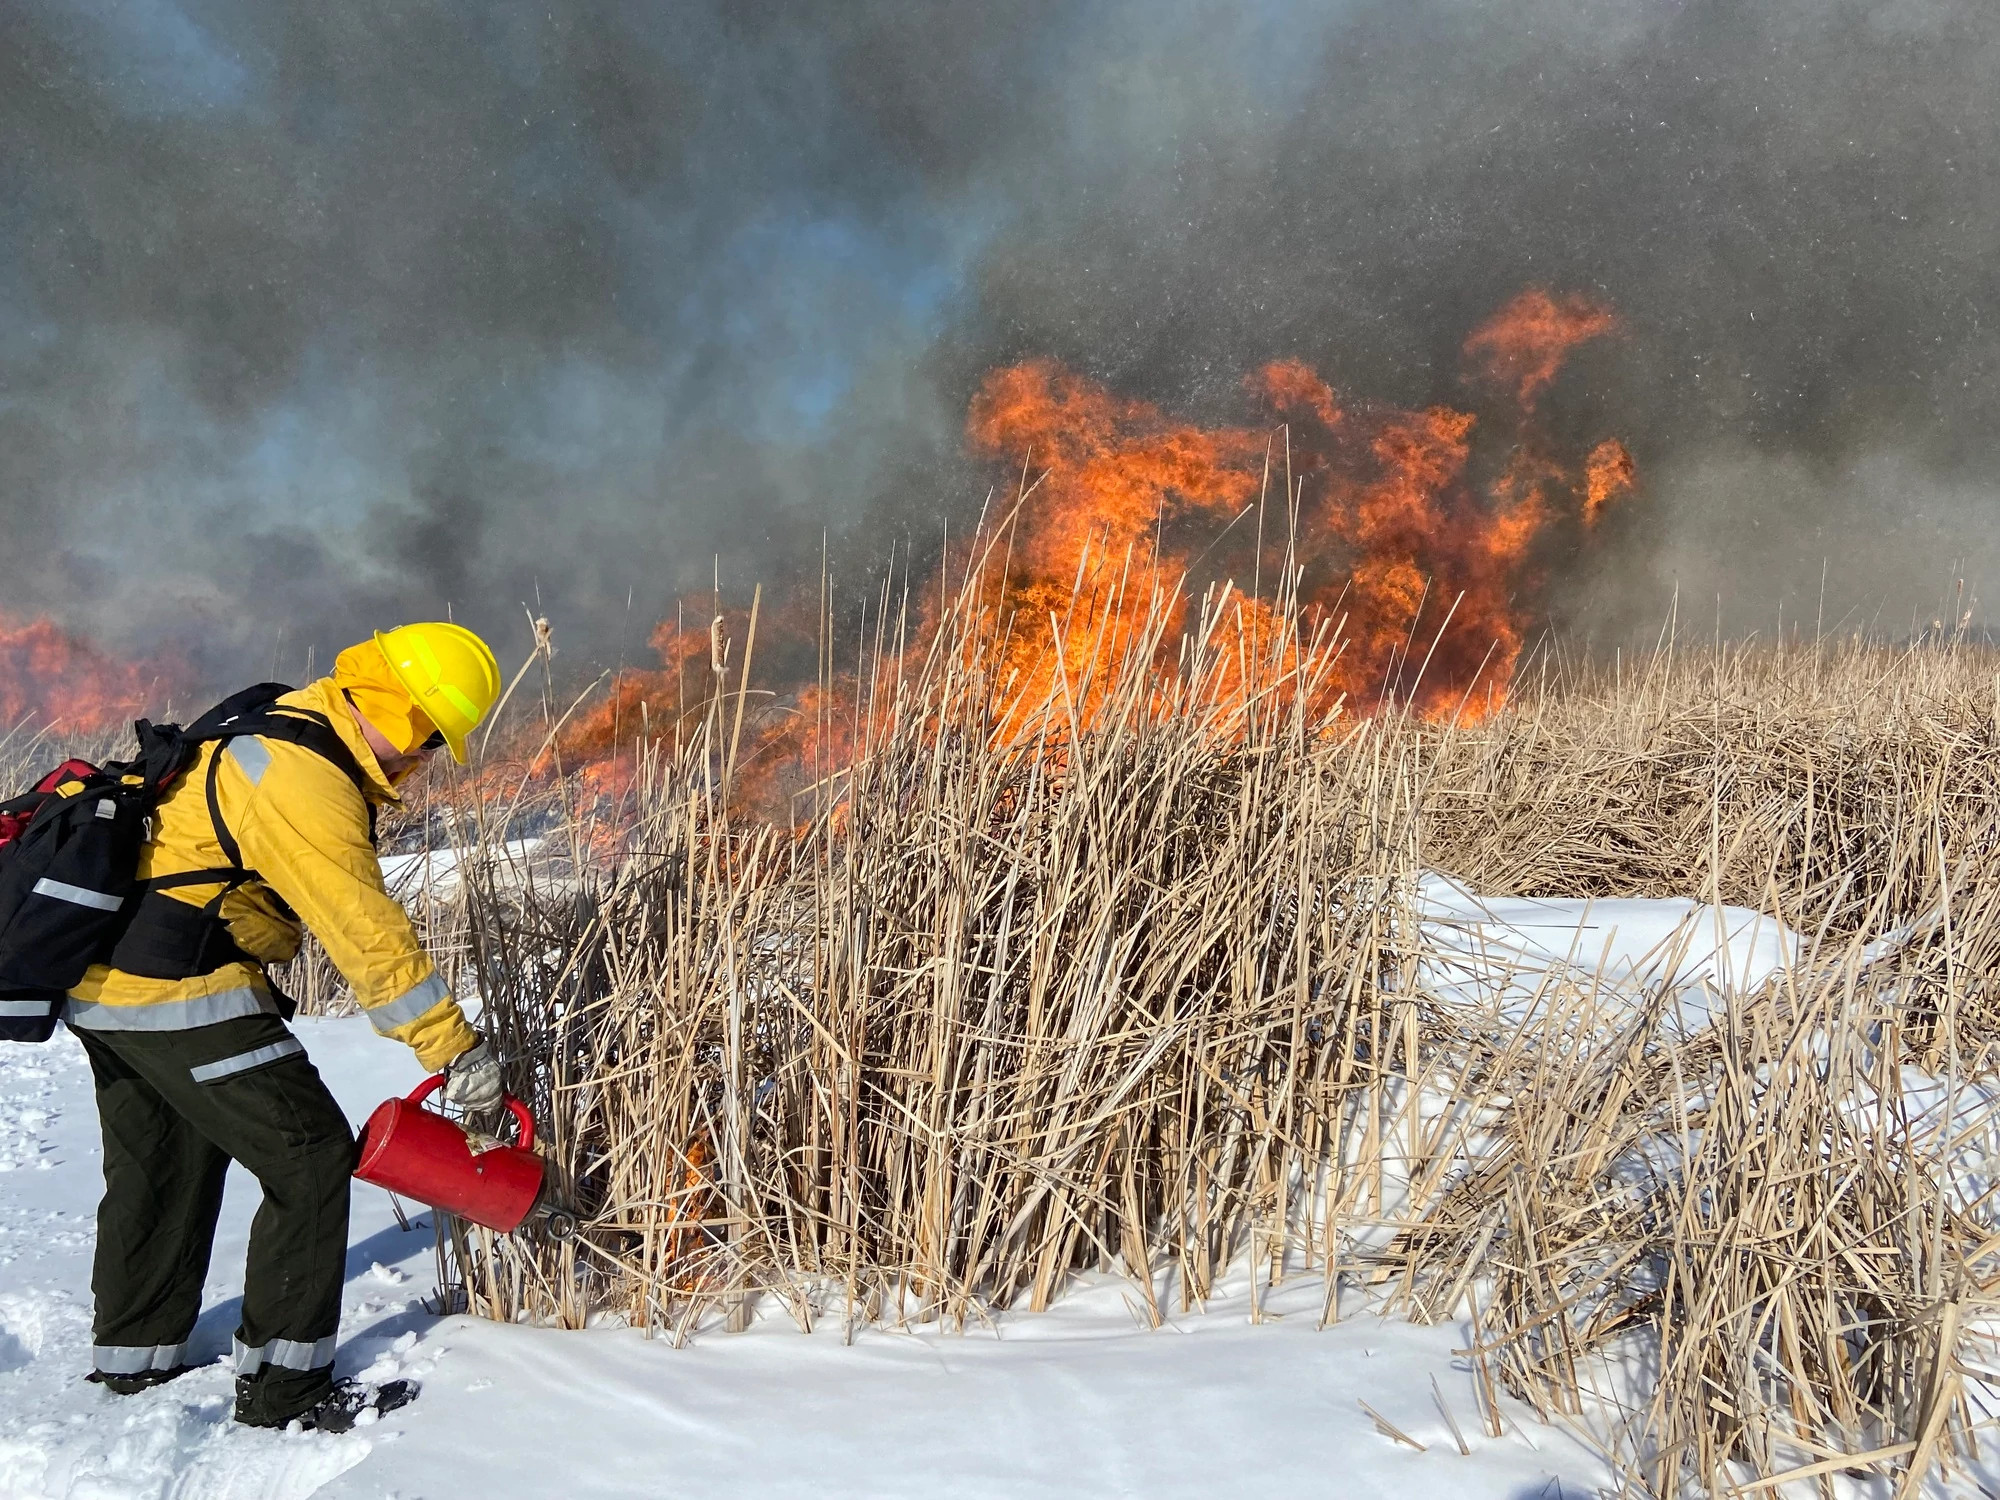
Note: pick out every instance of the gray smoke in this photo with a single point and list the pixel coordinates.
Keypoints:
(318, 316)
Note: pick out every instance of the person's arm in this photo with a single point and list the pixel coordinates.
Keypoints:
(303, 827)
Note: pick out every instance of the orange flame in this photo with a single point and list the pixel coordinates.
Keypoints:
(1293, 385)
(1429, 575)
(51, 679)
(1394, 538)
(1608, 474)
(1109, 467)
(1523, 346)
(642, 702)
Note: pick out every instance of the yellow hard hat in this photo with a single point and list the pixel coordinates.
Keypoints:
(449, 672)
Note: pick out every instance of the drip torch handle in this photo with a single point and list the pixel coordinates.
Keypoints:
(524, 1136)
(523, 1121)
(425, 1089)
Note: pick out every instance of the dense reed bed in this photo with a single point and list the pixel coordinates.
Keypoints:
(1126, 978)
(1115, 966)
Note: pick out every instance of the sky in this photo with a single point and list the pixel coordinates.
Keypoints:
(314, 317)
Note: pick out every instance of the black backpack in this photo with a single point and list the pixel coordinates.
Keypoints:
(70, 893)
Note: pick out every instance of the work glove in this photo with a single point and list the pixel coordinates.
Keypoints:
(472, 1082)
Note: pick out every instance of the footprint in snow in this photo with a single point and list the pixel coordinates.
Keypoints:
(23, 1329)
(242, 1465)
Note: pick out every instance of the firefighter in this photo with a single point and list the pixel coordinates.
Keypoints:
(264, 835)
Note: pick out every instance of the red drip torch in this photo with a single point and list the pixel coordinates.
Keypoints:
(420, 1154)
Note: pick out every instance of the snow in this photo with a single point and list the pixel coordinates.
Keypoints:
(1079, 1400)
(1500, 952)
(1957, 1121)
(61, 1437)
(436, 872)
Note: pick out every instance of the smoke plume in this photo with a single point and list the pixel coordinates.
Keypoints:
(313, 317)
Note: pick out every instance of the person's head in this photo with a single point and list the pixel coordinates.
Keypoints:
(417, 689)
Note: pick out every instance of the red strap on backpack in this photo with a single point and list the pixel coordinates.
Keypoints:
(15, 823)
(69, 770)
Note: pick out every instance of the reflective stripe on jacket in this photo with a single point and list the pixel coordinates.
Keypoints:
(303, 827)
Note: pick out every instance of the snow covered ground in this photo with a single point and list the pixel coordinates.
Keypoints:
(1078, 1401)
(1498, 951)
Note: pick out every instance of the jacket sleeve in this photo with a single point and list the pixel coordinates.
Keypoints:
(303, 828)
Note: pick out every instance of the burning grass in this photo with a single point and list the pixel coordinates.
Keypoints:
(52, 679)
(1422, 538)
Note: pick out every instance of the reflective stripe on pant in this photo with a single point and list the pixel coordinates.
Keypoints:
(176, 1108)
(284, 1354)
(113, 1359)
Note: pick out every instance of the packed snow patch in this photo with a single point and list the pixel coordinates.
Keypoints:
(1502, 952)
(60, 1437)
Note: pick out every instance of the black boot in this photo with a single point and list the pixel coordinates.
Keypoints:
(131, 1385)
(337, 1411)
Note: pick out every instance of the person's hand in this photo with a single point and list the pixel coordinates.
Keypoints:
(472, 1082)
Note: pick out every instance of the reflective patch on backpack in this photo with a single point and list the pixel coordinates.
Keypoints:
(76, 895)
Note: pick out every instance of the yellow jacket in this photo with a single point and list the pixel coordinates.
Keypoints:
(303, 827)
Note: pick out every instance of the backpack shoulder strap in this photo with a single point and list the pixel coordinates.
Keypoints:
(303, 726)
(314, 731)
(256, 711)
(225, 720)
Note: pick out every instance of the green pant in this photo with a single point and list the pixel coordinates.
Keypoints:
(177, 1107)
